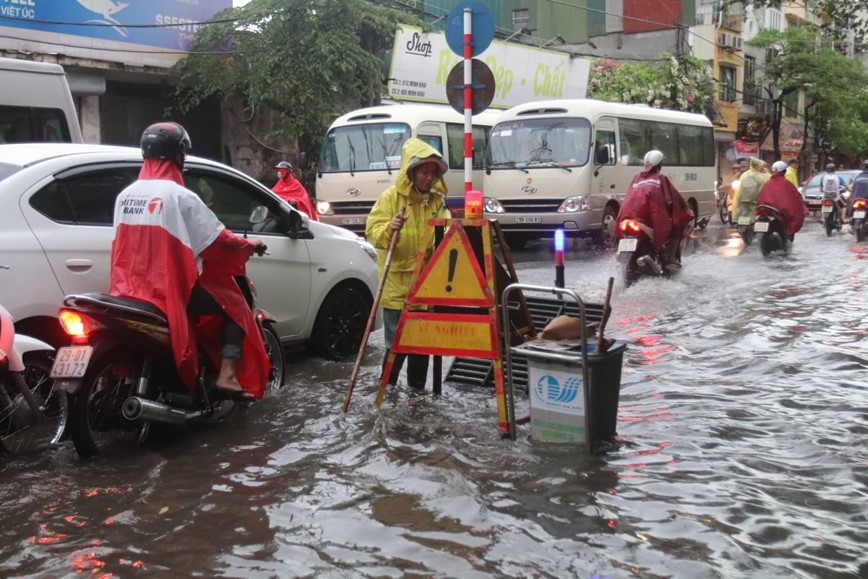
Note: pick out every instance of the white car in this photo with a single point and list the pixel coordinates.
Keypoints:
(56, 209)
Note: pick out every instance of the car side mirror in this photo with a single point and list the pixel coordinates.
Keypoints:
(299, 226)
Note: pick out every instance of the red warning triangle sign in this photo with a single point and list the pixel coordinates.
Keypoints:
(452, 277)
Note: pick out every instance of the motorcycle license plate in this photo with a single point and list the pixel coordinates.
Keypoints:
(826, 209)
(761, 226)
(71, 362)
(628, 244)
(858, 215)
(744, 220)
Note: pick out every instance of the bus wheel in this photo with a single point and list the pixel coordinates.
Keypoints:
(606, 239)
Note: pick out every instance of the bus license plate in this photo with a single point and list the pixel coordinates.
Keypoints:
(71, 362)
(353, 221)
(531, 219)
(858, 215)
(628, 244)
(761, 226)
(826, 209)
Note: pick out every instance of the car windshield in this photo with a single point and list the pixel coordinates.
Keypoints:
(370, 147)
(7, 169)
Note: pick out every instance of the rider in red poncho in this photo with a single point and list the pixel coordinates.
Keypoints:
(654, 200)
(172, 251)
(779, 193)
(292, 191)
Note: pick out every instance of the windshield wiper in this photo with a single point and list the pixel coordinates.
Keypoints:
(352, 157)
(552, 164)
(507, 165)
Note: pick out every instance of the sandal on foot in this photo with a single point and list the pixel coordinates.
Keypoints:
(236, 395)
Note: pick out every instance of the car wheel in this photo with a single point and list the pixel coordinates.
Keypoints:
(341, 322)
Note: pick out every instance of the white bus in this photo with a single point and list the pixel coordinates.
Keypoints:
(566, 164)
(361, 154)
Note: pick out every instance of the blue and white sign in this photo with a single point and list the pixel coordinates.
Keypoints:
(167, 24)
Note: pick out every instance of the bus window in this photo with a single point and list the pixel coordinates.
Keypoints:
(32, 125)
(605, 148)
(455, 139)
(548, 142)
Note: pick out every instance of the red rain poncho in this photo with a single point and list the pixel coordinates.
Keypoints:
(654, 200)
(292, 191)
(164, 237)
(780, 194)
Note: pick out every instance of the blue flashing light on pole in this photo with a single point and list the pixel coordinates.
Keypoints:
(559, 258)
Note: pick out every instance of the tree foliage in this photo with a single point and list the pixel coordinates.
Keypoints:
(841, 18)
(308, 60)
(834, 87)
(683, 86)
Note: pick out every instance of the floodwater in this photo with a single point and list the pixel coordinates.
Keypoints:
(741, 453)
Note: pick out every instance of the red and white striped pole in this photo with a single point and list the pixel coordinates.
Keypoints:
(468, 101)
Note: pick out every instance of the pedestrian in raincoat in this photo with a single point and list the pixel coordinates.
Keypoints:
(752, 180)
(292, 191)
(420, 191)
(792, 173)
(779, 193)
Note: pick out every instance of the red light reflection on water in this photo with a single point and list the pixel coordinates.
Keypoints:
(636, 328)
(46, 536)
(859, 251)
(88, 561)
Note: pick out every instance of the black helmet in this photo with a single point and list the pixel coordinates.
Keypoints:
(285, 165)
(830, 168)
(166, 140)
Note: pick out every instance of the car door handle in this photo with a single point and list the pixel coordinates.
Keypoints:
(79, 264)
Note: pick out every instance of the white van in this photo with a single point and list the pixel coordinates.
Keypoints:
(361, 154)
(36, 104)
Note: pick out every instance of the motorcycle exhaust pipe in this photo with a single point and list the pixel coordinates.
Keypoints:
(136, 408)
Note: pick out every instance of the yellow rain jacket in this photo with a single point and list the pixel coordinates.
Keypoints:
(752, 180)
(419, 209)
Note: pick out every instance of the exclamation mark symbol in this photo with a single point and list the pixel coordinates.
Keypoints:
(453, 260)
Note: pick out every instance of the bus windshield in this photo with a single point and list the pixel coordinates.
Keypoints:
(547, 142)
(369, 147)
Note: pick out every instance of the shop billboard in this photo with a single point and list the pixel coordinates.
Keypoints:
(105, 29)
(421, 62)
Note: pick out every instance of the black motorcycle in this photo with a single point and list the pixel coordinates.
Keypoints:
(637, 256)
(745, 220)
(769, 225)
(122, 375)
(859, 224)
(831, 215)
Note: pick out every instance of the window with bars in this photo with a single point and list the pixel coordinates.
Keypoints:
(727, 84)
(521, 16)
(750, 87)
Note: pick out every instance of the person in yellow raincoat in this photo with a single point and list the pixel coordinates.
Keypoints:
(420, 191)
(744, 201)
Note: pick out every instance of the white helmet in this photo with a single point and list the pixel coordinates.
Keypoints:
(653, 158)
(779, 167)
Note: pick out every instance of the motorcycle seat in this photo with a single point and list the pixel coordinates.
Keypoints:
(129, 305)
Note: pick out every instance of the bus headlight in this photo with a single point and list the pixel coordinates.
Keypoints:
(324, 208)
(492, 205)
(575, 204)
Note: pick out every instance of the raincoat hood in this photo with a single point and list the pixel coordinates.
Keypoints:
(755, 164)
(414, 153)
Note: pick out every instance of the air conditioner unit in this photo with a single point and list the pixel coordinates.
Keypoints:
(736, 42)
(724, 40)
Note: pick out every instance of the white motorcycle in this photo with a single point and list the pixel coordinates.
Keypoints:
(33, 413)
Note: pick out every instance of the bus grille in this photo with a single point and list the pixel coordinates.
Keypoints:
(352, 207)
(531, 205)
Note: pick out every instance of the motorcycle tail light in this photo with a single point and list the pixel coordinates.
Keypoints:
(630, 226)
(827, 202)
(77, 325)
(860, 204)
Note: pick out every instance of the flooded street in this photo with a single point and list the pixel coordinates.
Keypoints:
(742, 426)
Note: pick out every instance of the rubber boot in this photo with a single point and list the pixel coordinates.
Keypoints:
(396, 367)
(417, 371)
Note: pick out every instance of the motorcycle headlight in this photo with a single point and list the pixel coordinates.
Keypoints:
(492, 205)
(324, 208)
(575, 204)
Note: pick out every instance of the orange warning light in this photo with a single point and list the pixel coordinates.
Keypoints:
(473, 205)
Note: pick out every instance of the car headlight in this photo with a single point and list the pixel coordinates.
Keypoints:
(492, 205)
(369, 249)
(324, 208)
(575, 204)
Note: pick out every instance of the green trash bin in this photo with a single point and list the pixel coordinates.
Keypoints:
(559, 408)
